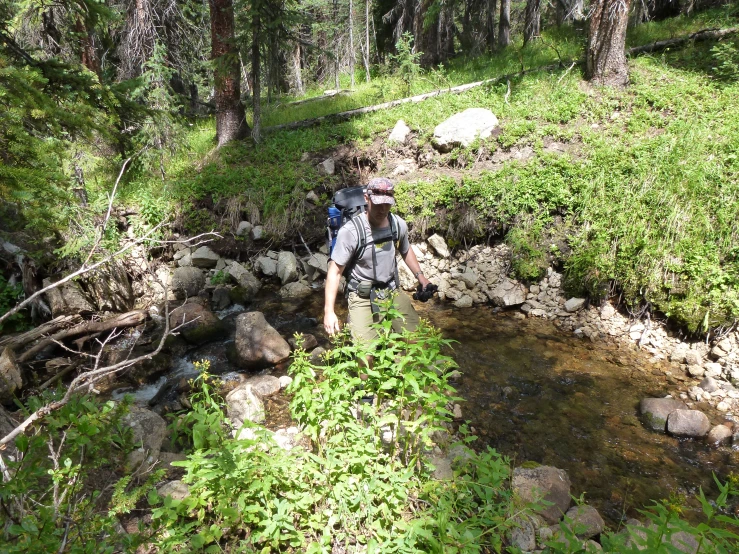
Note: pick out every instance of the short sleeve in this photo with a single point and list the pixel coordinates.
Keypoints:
(346, 244)
(403, 242)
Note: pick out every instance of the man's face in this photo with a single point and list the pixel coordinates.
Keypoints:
(376, 213)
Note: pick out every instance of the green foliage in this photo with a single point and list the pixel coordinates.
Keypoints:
(219, 278)
(53, 499)
(726, 58)
(361, 477)
(10, 295)
(406, 60)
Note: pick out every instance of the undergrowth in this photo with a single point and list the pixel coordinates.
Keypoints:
(359, 479)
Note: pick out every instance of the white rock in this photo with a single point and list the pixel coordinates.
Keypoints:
(463, 128)
(439, 245)
(574, 304)
(400, 132)
(285, 381)
(327, 166)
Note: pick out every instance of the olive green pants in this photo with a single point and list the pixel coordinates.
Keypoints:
(361, 317)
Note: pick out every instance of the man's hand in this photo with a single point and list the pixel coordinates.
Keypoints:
(424, 292)
(331, 323)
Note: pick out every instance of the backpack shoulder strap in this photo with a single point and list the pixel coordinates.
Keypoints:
(394, 229)
(361, 236)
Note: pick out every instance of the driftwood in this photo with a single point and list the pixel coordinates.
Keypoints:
(342, 116)
(129, 319)
(48, 328)
(705, 34)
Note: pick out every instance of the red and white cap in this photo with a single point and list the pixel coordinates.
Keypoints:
(381, 191)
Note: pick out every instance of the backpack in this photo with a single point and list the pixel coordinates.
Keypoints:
(347, 204)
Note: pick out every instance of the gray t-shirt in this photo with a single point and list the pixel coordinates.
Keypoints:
(364, 270)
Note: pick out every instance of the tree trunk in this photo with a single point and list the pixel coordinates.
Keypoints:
(490, 24)
(256, 83)
(366, 52)
(297, 71)
(230, 116)
(606, 57)
(337, 86)
(352, 59)
(532, 22)
(88, 57)
(504, 25)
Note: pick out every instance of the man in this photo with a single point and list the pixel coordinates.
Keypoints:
(375, 272)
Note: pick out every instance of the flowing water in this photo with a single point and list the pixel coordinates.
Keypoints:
(537, 394)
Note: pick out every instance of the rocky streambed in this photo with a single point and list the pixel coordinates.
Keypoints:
(546, 378)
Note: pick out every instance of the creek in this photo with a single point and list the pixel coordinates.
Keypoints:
(536, 394)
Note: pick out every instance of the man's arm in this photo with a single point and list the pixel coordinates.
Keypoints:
(333, 278)
(412, 262)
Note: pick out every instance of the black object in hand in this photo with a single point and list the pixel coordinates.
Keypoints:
(424, 293)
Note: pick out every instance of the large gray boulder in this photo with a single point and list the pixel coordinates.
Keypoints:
(245, 279)
(720, 434)
(204, 257)
(266, 266)
(654, 411)
(10, 376)
(244, 405)
(187, 281)
(295, 290)
(508, 293)
(68, 299)
(319, 262)
(200, 324)
(544, 482)
(287, 267)
(439, 245)
(688, 423)
(463, 128)
(264, 385)
(585, 521)
(149, 431)
(258, 344)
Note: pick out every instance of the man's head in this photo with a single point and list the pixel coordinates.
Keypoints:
(380, 197)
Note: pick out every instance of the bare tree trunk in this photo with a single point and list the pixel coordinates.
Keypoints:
(256, 82)
(297, 72)
(490, 24)
(366, 52)
(337, 86)
(606, 57)
(504, 25)
(230, 116)
(532, 22)
(352, 58)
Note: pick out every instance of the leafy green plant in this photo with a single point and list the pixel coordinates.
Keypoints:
(54, 493)
(219, 278)
(726, 57)
(9, 296)
(406, 61)
(361, 472)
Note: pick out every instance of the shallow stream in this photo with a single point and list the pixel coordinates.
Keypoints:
(535, 393)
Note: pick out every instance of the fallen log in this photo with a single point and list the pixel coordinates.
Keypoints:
(705, 34)
(129, 319)
(45, 329)
(342, 116)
